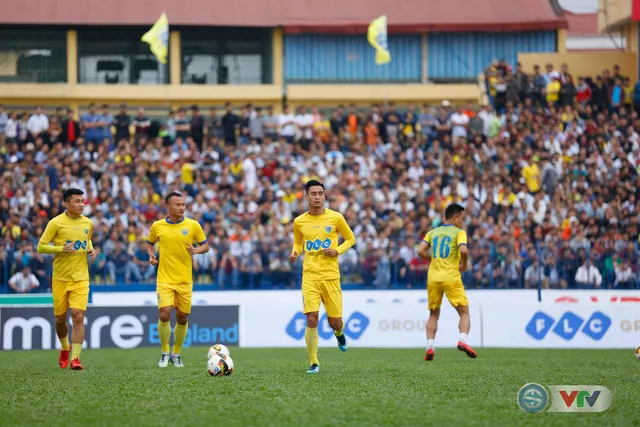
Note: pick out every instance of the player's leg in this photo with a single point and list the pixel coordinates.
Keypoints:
(165, 304)
(332, 300)
(311, 298)
(458, 299)
(60, 308)
(78, 300)
(183, 308)
(435, 293)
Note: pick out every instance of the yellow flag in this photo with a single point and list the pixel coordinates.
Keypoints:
(377, 36)
(158, 38)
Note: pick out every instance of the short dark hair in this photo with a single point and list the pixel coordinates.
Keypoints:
(312, 183)
(453, 210)
(171, 196)
(66, 196)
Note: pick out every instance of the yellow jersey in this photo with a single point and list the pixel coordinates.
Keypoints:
(314, 234)
(531, 174)
(74, 266)
(175, 265)
(445, 242)
(553, 91)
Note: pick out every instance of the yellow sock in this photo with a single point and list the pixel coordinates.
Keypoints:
(179, 334)
(340, 332)
(64, 342)
(76, 348)
(164, 330)
(311, 338)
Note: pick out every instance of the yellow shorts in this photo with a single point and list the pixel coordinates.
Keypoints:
(175, 295)
(69, 295)
(327, 292)
(454, 292)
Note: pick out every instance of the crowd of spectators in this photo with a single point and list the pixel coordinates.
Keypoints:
(548, 175)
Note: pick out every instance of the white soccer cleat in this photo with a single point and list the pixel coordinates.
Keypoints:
(164, 360)
(177, 361)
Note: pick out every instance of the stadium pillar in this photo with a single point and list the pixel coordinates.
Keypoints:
(277, 52)
(561, 40)
(425, 58)
(175, 59)
(72, 57)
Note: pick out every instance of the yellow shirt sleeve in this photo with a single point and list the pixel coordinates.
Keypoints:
(298, 239)
(347, 235)
(198, 233)
(153, 234)
(427, 238)
(462, 238)
(49, 233)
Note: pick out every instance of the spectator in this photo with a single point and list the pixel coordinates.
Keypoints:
(588, 275)
(37, 125)
(24, 281)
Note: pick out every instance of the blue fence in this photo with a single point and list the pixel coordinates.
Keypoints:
(573, 265)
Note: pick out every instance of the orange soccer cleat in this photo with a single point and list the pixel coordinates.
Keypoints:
(63, 360)
(468, 350)
(430, 355)
(76, 365)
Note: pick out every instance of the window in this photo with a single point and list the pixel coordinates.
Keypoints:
(33, 55)
(108, 55)
(226, 56)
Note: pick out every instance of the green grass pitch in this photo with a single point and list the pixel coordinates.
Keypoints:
(364, 387)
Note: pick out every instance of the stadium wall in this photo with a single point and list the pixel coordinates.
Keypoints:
(335, 58)
(384, 319)
(463, 56)
(584, 63)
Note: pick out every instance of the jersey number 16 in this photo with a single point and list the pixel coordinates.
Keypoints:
(442, 250)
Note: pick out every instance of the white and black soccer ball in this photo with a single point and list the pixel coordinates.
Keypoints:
(218, 348)
(220, 365)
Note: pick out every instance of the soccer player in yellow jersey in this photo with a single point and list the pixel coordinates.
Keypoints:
(70, 233)
(175, 236)
(447, 248)
(316, 232)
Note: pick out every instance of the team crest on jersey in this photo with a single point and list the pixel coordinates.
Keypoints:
(86, 231)
(328, 229)
(185, 231)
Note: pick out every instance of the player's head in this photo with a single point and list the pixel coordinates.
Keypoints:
(176, 204)
(454, 214)
(73, 199)
(314, 193)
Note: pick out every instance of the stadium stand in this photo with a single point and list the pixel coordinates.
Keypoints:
(548, 173)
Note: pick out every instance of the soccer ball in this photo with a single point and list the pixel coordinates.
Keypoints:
(220, 365)
(218, 348)
(638, 352)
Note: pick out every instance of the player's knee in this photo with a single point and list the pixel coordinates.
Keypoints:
(435, 313)
(335, 323)
(61, 320)
(165, 314)
(77, 317)
(182, 318)
(312, 320)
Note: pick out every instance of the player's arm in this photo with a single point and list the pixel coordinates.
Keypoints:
(347, 234)
(49, 234)
(424, 250)
(463, 250)
(298, 239)
(152, 238)
(201, 239)
(90, 250)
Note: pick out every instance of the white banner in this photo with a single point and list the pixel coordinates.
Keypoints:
(561, 326)
(413, 296)
(383, 325)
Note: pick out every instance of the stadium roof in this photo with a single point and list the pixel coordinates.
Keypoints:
(582, 24)
(298, 15)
